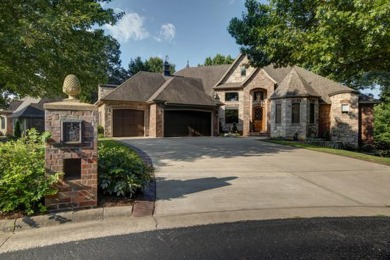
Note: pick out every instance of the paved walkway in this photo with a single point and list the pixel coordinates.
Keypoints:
(205, 175)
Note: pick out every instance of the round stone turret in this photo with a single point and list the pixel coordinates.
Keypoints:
(71, 86)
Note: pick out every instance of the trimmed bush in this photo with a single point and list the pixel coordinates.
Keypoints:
(17, 131)
(23, 183)
(121, 171)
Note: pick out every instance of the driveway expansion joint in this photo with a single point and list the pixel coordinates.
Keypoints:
(327, 189)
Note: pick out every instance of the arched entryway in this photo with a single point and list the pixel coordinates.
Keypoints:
(259, 110)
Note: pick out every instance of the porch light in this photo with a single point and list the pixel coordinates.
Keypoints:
(344, 108)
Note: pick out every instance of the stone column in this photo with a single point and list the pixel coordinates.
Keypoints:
(72, 149)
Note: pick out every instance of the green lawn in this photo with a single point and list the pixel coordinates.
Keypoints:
(356, 155)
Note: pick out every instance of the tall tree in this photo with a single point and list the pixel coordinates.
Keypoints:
(136, 65)
(153, 64)
(42, 41)
(347, 40)
(218, 59)
(117, 75)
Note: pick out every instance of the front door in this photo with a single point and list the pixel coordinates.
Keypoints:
(257, 119)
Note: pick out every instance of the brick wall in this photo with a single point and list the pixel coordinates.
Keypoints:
(156, 121)
(324, 120)
(366, 112)
(106, 111)
(73, 193)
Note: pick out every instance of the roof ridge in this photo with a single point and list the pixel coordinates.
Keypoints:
(160, 89)
(306, 84)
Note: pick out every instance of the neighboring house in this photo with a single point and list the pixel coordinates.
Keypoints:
(28, 111)
(5, 119)
(288, 102)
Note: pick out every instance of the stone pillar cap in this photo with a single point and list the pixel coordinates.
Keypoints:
(71, 86)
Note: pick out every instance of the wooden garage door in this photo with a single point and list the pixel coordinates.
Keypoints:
(128, 122)
(187, 123)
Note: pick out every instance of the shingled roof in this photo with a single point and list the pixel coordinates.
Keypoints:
(323, 86)
(184, 91)
(139, 88)
(277, 74)
(210, 75)
(294, 85)
(30, 111)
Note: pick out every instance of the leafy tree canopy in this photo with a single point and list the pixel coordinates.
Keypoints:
(42, 41)
(153, 64)
(219, 59)
(347, 40)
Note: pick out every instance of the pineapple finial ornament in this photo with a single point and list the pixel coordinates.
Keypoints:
(71, 86)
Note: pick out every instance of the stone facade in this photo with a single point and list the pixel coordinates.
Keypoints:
(297, 130)
(344, 125)
(236, 104)
(254, 81)
(259, 82)
(73, 192)
(237, 73)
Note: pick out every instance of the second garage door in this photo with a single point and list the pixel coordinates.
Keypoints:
(128, 122)
(187, 123)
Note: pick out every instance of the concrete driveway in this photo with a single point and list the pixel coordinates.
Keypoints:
(206, 175)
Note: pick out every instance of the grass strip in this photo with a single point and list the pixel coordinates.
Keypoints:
(350, 154)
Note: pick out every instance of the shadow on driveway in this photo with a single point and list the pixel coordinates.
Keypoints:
(180, 188)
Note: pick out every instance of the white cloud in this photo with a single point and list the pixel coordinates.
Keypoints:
(130, 26)
(167, 33)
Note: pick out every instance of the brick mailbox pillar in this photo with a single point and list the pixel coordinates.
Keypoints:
(72, 149)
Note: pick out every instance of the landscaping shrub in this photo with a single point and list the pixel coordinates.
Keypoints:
(121, 171)
(100, 130)
(23, 183)
(381, 145)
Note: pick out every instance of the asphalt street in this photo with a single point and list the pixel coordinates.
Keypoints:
(316, 238)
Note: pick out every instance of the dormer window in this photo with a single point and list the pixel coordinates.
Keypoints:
(243, 71)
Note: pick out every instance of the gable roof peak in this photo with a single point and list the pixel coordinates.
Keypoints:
(294, 85)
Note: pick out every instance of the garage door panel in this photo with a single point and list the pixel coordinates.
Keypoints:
(128, 122)
(187, 123)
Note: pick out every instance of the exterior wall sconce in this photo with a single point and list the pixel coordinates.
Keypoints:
(344, 108)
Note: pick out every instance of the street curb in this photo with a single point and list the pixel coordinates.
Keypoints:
(60, 218)
(143, 206)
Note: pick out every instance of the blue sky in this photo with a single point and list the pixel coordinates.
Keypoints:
(182, 29)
